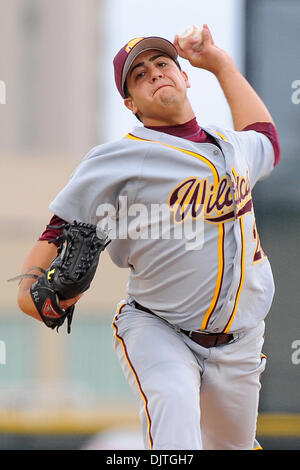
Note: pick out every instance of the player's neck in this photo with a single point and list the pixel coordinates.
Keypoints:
(173, 117)
(191, 126)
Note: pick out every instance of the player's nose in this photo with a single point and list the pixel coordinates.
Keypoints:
(156, 74)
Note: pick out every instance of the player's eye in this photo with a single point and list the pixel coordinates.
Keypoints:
(162, 64)
(140, 75)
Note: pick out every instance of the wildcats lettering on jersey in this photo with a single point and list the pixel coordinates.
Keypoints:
(195, 198)
(242, 193)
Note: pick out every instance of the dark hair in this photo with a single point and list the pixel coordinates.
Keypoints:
(126, 92)
(127, 95)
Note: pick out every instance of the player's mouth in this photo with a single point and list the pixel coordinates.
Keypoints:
(160, 87)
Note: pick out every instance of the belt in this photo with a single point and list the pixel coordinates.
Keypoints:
(207, 340)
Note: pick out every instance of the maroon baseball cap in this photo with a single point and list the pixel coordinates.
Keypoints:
(126, 56)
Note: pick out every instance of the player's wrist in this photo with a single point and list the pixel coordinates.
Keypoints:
(26, 303)
(215, 60)
(225, 67)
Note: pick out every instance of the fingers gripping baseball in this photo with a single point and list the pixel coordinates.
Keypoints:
(205, 55)
(192, 41)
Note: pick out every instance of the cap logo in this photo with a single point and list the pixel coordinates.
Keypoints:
(132, 43)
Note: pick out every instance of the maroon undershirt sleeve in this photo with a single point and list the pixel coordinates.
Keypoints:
(270, 131)
(51, 233)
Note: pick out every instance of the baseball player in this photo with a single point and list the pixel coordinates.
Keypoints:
(189, 334)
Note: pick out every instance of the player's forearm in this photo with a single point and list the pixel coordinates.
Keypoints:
(41, 255)
(245, 104)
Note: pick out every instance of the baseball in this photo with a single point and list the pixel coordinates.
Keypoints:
(191, 32)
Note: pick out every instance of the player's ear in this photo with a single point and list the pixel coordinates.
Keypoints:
(130, 104)
(186, 78)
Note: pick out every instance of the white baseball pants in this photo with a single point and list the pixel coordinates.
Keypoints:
(190, 397)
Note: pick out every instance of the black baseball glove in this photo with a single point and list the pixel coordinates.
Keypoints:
(70, 274)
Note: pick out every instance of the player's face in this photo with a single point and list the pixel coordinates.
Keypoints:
(157, 87)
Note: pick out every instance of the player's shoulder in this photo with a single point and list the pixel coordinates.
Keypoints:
(108, 149)
(239, 139)
(223, 133)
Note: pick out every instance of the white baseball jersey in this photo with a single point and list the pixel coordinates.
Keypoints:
(223, 284)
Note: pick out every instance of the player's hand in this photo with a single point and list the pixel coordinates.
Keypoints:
(210, 57)
(68, 302)
(26, 304)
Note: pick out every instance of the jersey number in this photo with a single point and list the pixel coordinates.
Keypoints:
(259, 253)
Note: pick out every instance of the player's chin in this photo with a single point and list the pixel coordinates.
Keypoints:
(167, 96)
